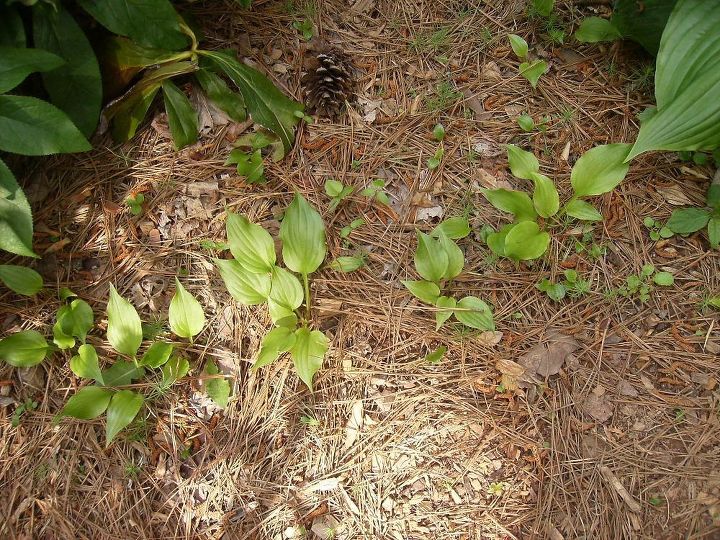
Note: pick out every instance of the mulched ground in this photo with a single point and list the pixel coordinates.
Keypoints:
(613, 432)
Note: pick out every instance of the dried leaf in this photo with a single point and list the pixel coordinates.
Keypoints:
(598, 407)
(354, 424)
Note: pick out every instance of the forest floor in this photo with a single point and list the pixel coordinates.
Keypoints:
(621, 442)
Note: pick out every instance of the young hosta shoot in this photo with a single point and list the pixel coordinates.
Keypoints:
(598, 171)
(254, 278)
(532, 70)
(438, 259)
(376, 191)
(337, 191)
(690, 220)
(74, 320)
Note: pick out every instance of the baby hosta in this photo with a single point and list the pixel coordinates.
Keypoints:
(438, 260)
(253, 277)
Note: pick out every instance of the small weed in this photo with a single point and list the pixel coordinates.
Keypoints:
(586, 245)
(212, 245)
(437, 355)
(376, 191)
(497, 488)
(354, 224)
(557, 36)
(305, 27)
(132, 470)
(567, 115)
(310, 421)
(355, 164)
(642, 78)
(27, 406)
(657, 229)
(446, 95)
(640, 285)
(572, 285)
(185, 453)
(434, 42)
(655, 500)
(135, 202)
(337, 191)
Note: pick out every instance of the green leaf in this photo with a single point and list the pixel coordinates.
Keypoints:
(526, 122)
(437, 355)
(244, 286)
(281, 315)
(543, 7)
(12, 29)
(248, 165)
(186, 315)
(525, 241)
(16, 64)
(522, 164)
(250, 244)
(438, 132)
(545, 197)
(173, 370)
(55, 30)
(124, 407)
(122, 373)
(124, 330)
(60, 338)
(275, 342)
(74, 319)
(124, 53)
(473, 312)
(455, 228)
(582, 210)
(427, 291)
(16, 224)
(308, 353)
(643, 22)
(87, 403)
(519, 46)
(446, 306)
(496, 240)
(303, 237)
(687, 83)
(347, 264)
(231, 103)
(713, 302)
(517, 203)
(21, 279)
(24, 349)
(713, 192)
(333, 188)
(157, 354)
(86, 364)
(600, 170)
(33, 127)
(286, 289)
(713, 229)
(596, 29)
(532, 71)
(267, 105)
(152, 23)
(664, 279)
(455, 256)
(688, 220)
(217, 389)
(431, 261)
(182, 118)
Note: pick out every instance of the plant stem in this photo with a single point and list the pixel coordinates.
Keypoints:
(306, 286)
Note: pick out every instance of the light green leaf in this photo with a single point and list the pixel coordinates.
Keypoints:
(431, 261)
(285, 289)
(517, 203)
(688, 220)
(21, 279)
(600, 170)
(545, 197)
(173, 370)
(303, 237)
(124, 407)
(87, 403)
(333, 188)
(713, 229)
(437, 355)
(446, 305)
(473, 312)
(525, 241)
(16, 224)
(713, 302)
(186, 315)
(519, 46)
(526, 122)
(496, 240)
(182, 118)
(664, 279)
(281, 315)
(308, 353)
(532, 71)
(122, 373)
(455, 256)
(523, 164)
(124, 330)
(596, 29)
(75, 319)
(24, 349)
(157, 354)
(86, 364)
(583, 210)
(244, 286)
(427, 291)
(217, 389)
(275, 342)
(60, 338)
(250, 244)
(347, 264)
(455, 228)
(231, 103)
(267, 105)
(32, 127)
(18, 63)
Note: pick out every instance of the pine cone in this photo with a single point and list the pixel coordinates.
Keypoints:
(328, 83)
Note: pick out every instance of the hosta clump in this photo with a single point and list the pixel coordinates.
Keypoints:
(253, 277)
(597, 171)
(438, 260)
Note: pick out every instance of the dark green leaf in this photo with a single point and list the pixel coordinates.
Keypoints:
(126, 53)
(643, 23)
(688, 220)
(713, 229)
(596, 29)
(87, 403)
(182, 118)
(231, 103)
(16, 64)
(16, 225)
(75, 319)
(122, 373)
(157, 354)
(124, 407)
(12, 30)
(24, 349)
(21, 279)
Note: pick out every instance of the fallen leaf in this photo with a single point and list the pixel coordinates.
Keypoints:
(489, 339)
(598, 407)
(325, 527)
(491, 72)
(674, 195)
(326, 484)
(624, 388)
(510, 373)
(354, 424)
(546, 359)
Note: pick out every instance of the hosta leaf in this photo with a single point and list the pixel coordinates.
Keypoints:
(75, 319)
(473, 312)
(186, 315)
(157, 354)
(642, 22)
(24, 349)
(583, 210)
(275, 342)
(124, 407)
(244, 286)
(86, 365)
(427, 291)
(303, 237)
(517, 203)
(217, 389)
(688, 220)
(545, 197)
(525, 241)
(16, 224)
(596, 29)
(173, 370)
(431, 261)
(455, 228)
(713, 229)
(496, 240)
(182, 118)
(600, 170)
(523, 164)
(308, 353)
(445, 305)
(285, 289)
(532, 71)
(122, 373)
(251, 245)
(455, 256)
(21, 279)
(124, 330)
(519, 46)
(18, 63)
(87, 403)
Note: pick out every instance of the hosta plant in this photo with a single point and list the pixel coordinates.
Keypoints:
(531, 69)
(689, 220)
(597, 171)
(254, 277)
(439, 260)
